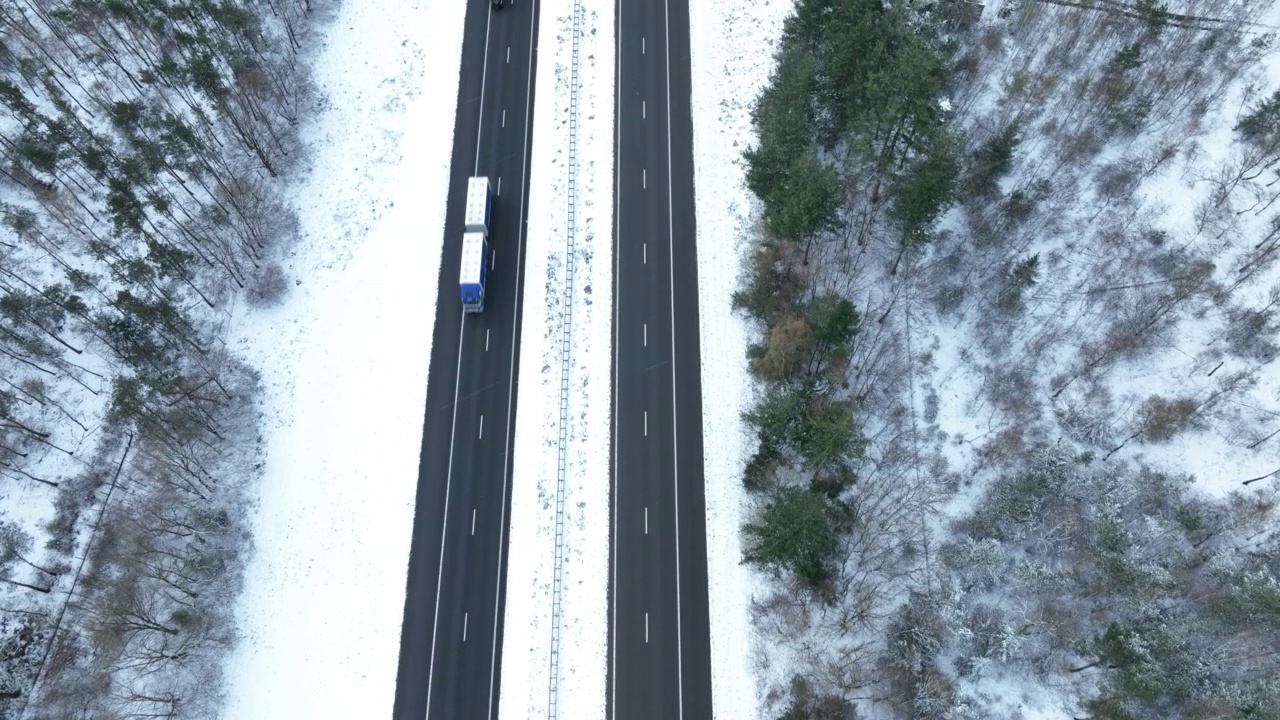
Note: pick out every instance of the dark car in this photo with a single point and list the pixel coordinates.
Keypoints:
(497, 4)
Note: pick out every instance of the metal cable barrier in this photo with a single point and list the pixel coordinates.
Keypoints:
(566, 346)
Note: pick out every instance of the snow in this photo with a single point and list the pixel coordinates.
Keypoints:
(1168, 200)
(526, 679)
(344, 365)
(1215, 453)
(732, 57)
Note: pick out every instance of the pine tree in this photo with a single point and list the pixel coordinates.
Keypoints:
(795, 533)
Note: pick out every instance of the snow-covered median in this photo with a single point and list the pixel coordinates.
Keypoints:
(530, 568)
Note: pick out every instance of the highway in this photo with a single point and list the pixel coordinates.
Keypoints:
(659, 629)
(451, 637)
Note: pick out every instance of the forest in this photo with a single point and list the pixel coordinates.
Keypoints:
(144, 145)
(1015, 291)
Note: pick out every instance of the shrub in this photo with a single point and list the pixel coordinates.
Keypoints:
(1018, 278)
(804, 200)
(789, 342)
(1250, 334)
(910, 663)
(991, 162)
(834, 321)
(1162, 418)
(1009, 505)
(267, 287)
(759, 471)
(771, 285)
(828, 434)
(779, 414)
(926, 188)
(834, 480)
(808, 704)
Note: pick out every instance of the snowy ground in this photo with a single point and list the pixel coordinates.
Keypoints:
(732, 56)
(344, 362)
(1216, 450)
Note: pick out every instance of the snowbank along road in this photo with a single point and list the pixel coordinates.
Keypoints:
(451, 638)
(659, 636)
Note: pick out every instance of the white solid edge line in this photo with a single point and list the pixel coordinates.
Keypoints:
(617, 315)
(675, 424)
(444, 528)
(511, 375)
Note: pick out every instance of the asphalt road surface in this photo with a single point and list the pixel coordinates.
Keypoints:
(659, 631)
(451, 639)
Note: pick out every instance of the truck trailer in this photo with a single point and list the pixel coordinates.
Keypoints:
(475, 250)
(479, 205)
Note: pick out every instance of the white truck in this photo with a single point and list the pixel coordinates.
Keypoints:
(479, 205)
(475, 244)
